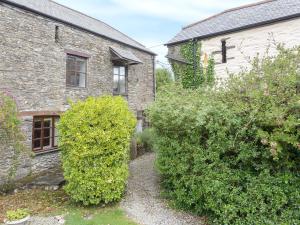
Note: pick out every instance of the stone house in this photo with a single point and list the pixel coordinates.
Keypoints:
(49, 54)
(234, 37)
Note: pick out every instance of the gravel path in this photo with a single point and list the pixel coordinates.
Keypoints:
(57, 220)
(143, 202)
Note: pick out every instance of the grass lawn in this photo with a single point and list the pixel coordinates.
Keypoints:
(112, 216)
(50, 203)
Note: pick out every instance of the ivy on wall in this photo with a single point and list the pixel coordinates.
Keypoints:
(11, 135)
(193, 73)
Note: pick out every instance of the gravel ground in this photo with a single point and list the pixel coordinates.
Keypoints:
(143, 202)
(57, 220)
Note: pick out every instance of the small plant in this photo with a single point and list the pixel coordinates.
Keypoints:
(146, 139)
(14, 215)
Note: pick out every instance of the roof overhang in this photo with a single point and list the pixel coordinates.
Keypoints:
(177, 59)
(234, 30)
(124, 56)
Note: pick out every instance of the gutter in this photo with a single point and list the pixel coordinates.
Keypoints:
(236, 29)
(72, 25)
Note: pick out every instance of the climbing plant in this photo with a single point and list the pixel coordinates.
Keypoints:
(11, 136)
(193, 74)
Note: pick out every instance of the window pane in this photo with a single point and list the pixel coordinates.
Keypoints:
(116, 70)
(71, 78)
(37, 144)
(46, 142)
(37, 134)
(122, 85)
(70, 63)
(47, 122)
(81, 79)
(76, 71)
(116, 83)
(122, 71)
(81, 66)
(47, 132)
(37, 124)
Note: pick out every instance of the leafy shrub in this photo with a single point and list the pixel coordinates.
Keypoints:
(163, 77)
(10, 132)
(94, 139)
(146, 139)
(16, 215)
(234, 154)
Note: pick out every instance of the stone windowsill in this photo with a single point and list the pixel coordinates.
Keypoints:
(76, 88)
(46, 151)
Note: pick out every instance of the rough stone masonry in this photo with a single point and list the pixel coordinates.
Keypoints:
(33, 70)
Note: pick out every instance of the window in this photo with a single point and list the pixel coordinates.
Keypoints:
(120, 80)
(44, 133)
(76, 71)
(224, 52)
(56, 34)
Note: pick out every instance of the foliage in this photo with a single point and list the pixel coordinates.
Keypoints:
(193, 74)
(234, 154)
(106, 216)
(163, 77)
(10, 132)
(16, 214)
(94, 139)
(146, 139)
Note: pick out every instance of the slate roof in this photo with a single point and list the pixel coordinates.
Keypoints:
(67, 15)
(240, 18)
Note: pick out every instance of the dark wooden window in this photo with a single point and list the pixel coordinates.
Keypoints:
(76, 71)
(120, 80)
(56, 34)
(44, 133)
(224, 52)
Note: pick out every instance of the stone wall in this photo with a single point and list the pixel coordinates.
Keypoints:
(245, 45)
(33, 70)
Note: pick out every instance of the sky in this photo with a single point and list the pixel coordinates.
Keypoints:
(152, 22)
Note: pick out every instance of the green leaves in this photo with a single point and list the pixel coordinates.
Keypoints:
(234, 154)
(10, 133)
(193, 74)
(94, 139)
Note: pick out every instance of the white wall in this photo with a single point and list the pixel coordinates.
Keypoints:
(249, 43)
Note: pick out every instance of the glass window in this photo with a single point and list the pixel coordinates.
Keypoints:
(45, 134)
(76, 71)
(120, 80)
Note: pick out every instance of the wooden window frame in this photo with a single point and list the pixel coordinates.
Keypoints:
(117, 65)
(77, 57)
(42, 137)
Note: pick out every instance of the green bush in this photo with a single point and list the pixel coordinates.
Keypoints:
(162, 77)
(94, 139)
(234, 154)
(146, 139)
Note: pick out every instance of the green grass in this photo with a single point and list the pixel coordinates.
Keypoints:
(53, 203)
(107, 216)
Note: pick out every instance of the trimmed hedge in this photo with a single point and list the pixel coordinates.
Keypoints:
(94, 138)
(234, 154)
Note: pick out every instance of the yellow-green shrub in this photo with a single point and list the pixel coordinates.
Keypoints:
(94, 139)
